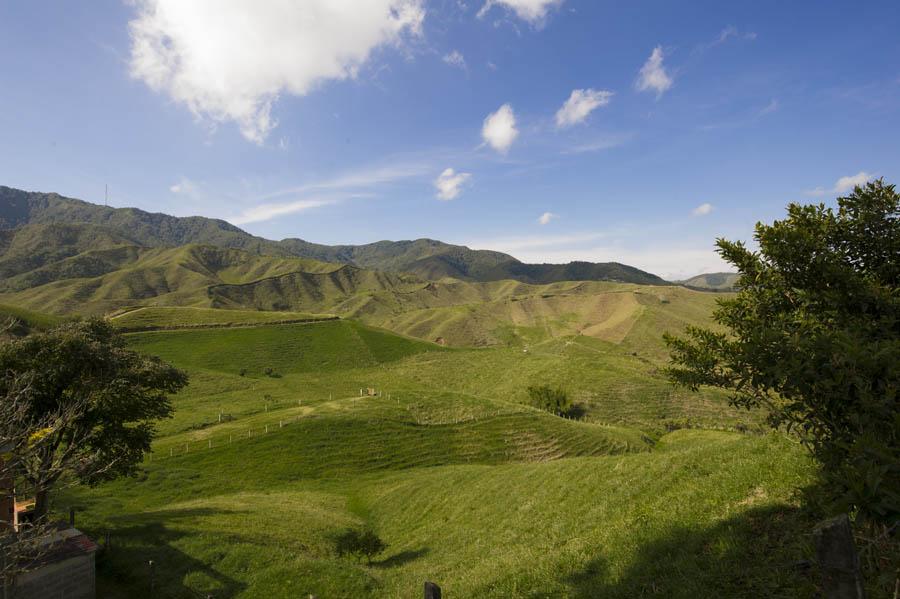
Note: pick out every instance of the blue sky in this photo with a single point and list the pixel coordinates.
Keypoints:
(550, 129)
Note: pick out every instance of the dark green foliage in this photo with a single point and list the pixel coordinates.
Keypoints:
(109, 395)
(814, 335)
(554, 400)
(360, 544)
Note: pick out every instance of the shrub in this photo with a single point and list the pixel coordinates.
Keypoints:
(554, 400)
(360, 544)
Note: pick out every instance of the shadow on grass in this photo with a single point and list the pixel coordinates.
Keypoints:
(123, 570)
(764, 552)
(404, 557)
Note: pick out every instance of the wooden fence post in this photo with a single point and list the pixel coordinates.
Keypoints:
(838, 560)
(432, 591)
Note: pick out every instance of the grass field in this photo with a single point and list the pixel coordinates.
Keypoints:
(468, 485)
(171, 317)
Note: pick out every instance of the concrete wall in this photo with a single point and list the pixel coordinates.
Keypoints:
(72, 578)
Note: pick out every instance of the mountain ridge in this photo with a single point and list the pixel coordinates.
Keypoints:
(425, 258)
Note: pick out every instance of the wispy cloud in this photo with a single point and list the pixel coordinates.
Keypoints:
(601, 143)
(533, 11)
(449, 184)
(653, 75)
(702, 209)
(455, 59)
(184, 186)
(364, 179)
(581, 103)
(362, 183)
(842, 185)
(265, 212)
(769, 108)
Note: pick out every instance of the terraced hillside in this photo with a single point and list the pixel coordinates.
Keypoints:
(256, 475)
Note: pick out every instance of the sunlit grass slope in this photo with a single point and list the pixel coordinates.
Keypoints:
(171, 317)
(30, 318)
(706, 514)
(335, 359)
(255, 476)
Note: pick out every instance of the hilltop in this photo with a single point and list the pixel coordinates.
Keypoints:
(712, 281)
(426, 258)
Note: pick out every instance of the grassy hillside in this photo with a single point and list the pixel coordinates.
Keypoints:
(425, 258)
(88, 270)
(22, 321)
(714, 281)
(253, 479)
(336, 359)
(156, 317)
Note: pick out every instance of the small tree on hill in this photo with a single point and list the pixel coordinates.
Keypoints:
(814, 336)
(85, 405)
(554, 400)
(360, 544)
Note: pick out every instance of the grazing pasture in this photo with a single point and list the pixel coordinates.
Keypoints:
(272, 454)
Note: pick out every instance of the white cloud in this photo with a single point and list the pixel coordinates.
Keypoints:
(229, 60)
(270, 211)
(653, 75)
(449, 184)
(702, 209)
(533, 11)
(580, 104)
(842, 185)
(845, 184)
(184, 186)
(455, 59)
(499, 129)
(546, 217)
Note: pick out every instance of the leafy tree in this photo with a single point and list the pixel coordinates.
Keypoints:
(554, 400)
(814, 336)
(88, 403)
(363, 543)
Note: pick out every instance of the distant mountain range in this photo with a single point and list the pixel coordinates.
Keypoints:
(90, 227)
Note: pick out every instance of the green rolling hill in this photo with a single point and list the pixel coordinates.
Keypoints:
(713, 281)
(449, 465)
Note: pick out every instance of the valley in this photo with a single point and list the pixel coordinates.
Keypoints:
(276, 445)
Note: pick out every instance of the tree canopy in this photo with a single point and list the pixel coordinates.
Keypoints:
(91, 402)
(814, 336)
